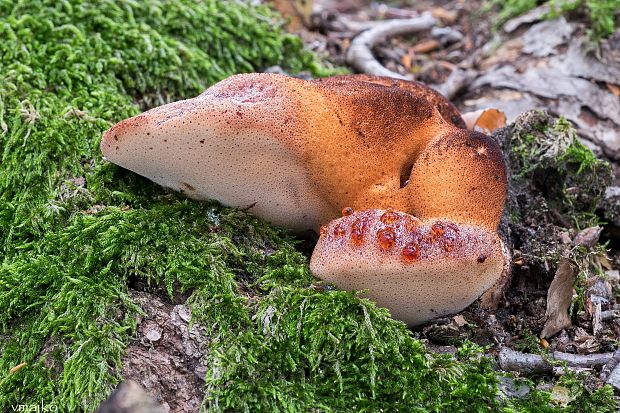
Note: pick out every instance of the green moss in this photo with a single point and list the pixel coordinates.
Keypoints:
(602, 14)
(78, 232)
(70, 68)
(509, 9)
(547, 156)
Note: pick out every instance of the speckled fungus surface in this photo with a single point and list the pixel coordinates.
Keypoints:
(420, 270)
(297, 152)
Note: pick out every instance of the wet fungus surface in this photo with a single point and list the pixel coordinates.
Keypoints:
(419, 197)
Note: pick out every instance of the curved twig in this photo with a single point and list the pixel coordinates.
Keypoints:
(360, 54)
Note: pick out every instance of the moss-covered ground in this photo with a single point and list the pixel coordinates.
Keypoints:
(76, 232)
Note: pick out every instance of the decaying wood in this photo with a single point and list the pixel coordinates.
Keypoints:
(597, 320)
(535, 364)
(527, 364)
(360, 54)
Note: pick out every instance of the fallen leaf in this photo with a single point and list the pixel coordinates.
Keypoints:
(18, 367)
(559, 298)
(446, 15)
(561, 396)
(407, 59)
(485, 120)
(588, 237)
(426, 46)
(615, 89)
(460, 321)
(296, 11)
(604, 260)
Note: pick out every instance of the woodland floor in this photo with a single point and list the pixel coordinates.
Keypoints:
(515, 67)
(526, 63)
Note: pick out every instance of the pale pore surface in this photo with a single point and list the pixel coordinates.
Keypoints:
(260, 174)
(453, 265)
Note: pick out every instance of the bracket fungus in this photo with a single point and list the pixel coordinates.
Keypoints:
(298, 152)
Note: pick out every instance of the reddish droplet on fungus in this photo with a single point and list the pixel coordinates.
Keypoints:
(411, 224)
(347, 211)
(323, 231)
(448, 245)
(358, 231)
(437, 230)
(338, 231)
(389, 217)
(411, 252)
(386, 238)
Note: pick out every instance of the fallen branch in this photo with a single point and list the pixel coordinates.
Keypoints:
(534, 364)
(456, 81)
(360, 54)
(609, 315)
(611, 366)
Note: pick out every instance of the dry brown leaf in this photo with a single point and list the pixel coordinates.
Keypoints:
(460, 320)
(446, 16)
(588, 237)
(18, 367)
(426, 46)
(296, 11)
(485, 120)
(615, 89)
(559, 298)
(604, 260)
(407, 60)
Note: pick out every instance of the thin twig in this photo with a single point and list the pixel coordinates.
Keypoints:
(360, 54)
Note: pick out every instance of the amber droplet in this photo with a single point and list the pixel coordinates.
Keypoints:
(386, 238)
(411, 252)
(411, 224)
(389, 217)
(338, 231)
(448, 245)
(347, 211)
(481, 258)
(323, 231)
(437, 230)
(358, 231)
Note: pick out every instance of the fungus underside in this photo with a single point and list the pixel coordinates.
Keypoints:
(76, 231)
